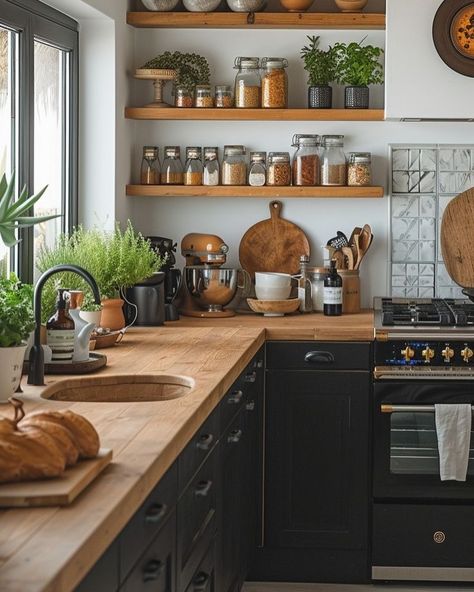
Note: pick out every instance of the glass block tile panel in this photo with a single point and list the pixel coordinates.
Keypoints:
(414, 160)
(427, 182)
(428, 160)
(427, 228)
(400, 182)
(400, 160)
(461, 159)
(428, 206)
(404, 206)
(446, 160)
(405, 229)
(404, 250)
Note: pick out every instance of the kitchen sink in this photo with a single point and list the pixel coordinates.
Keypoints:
(123, 388)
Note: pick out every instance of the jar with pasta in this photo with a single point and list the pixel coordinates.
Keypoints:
(183, 97)
(307, 160)
(333, 161)
(223, 96)
(150, 169)
(193, 166)
(234, 167)
(278, 169)
(359, 170)
(172, 169)
(274, 83)
(247, 83)
(203, 96)
(211, 166)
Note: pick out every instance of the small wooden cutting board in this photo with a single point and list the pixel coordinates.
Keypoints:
(58, 491)
(274, 244)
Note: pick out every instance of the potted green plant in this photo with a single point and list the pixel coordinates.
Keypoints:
(321, 68)
(358, 66)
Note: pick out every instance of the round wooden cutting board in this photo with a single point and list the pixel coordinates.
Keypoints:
(457, 238)
(274, 244)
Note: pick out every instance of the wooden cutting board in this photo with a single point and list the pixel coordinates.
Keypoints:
(274, 244)
(457, 238)
(58, 491)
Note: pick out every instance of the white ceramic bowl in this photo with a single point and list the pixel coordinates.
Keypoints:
(272, 280)
(272, 293)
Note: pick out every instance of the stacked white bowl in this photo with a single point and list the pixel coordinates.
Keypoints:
(272, 286)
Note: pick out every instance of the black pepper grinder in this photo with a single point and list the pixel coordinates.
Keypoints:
(333, 292)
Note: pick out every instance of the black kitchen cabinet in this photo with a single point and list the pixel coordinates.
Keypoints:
(317, 463)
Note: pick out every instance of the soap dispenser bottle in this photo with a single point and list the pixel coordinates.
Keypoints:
(60, 331)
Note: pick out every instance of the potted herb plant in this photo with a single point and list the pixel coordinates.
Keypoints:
(358, 66)
(321, 68)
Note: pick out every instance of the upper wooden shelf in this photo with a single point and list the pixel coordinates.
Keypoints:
(257, 20)
(218, 114)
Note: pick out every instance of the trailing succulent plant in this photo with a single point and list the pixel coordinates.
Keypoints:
(191, 68)
(321, 65)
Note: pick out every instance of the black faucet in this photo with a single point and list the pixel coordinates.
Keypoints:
(36, 362)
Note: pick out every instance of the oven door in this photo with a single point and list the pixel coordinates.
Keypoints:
(406, 459)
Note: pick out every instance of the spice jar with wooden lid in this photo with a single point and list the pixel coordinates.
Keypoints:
(247, 83)
(193, 166)
(307, 160)
(274, 83)
(172, 169)
(333, 161)
(278, 169)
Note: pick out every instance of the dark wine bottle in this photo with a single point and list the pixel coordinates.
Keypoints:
(333, 292)
(60, 331)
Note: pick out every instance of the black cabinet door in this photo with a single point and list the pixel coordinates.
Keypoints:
(316, 484)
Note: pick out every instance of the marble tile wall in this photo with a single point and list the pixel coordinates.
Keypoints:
(424, 179)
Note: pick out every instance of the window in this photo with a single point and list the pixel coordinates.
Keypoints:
(38, 117)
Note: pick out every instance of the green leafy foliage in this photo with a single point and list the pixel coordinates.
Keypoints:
(12, 212)
(357, 64)
(320, 65)
(16, 311)
(191, 68)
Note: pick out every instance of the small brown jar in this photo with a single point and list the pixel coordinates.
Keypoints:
(278, 169)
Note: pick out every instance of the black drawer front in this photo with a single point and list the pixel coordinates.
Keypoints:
(314, 355)
(104, 576)
(196, 519)
(148, 520)
(235, 398)
(204, 577)
(202, 443)
(423, 535)
(156, 568)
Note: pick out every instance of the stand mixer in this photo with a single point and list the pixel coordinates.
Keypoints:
(209, 287)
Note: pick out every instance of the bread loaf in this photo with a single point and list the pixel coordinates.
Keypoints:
(63, 437)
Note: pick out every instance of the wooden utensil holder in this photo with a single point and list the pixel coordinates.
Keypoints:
(350, 290)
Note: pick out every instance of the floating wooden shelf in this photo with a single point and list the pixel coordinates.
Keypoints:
(257, 20)
(247, 191)
(197, 114)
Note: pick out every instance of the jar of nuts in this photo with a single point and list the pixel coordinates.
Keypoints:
(307, 160)
(247, 83)
(183, 97)
(234, 167)
(359, 170)
(223, 98)
(274, 83)
(333, 161)
(278, 168)
(193, 166)
(203, 96)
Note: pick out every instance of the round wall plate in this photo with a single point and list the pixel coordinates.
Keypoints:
(453, 35)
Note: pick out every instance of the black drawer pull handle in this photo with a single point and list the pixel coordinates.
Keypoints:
(234, 436)
(258, 364)
(251, 377)
(319, 357)
(203, 488)
(155, 513)
(200, 582)
(235, 398)
(205, 441)
(153, 570)
(250, 406)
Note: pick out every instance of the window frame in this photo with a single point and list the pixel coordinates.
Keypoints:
(34, 20)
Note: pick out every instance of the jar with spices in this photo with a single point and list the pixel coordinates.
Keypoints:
(333, 161)
(172, 169)
(211, 166)
(257, 169)
(307, 160)
(224, 98)
(193, 166)
(359, 170)
(183, 97)
(150, 169)
(203, 96)
(278, 169)
(234, 167)
(247, 83)
(274, 83)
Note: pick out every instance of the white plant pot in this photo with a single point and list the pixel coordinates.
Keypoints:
(11, 365)
(91, 316)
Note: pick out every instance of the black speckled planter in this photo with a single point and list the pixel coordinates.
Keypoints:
(356, 97)
(320, 97)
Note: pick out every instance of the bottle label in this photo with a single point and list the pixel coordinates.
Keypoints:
(332, 295)
(61, 343)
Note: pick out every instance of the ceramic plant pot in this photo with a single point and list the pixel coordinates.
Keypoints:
(91, 316)
(11, 366)
(112, 316)
(356, 97)
(320, 97)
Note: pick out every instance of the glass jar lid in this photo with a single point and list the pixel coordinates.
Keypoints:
(172, 151)
(360, 157)
(193, 152)
(274, 63)
(333, 141)
(243, 62)
(203, 90)
(278, 157)
(306, 140)
(223, 88)
(210, 152)
(258, 157)
(183, 90)
(150, 152)
(234, 150)
(318, 273)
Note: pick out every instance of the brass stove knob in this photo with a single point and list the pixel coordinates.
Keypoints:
(447, 354)
(467, 354)
(408, 353)
(428, 354)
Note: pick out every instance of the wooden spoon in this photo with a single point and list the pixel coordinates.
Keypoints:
(349, 256)
(338, 257)
(365, 240)
(357, 230)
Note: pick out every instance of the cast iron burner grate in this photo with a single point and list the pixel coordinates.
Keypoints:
(437, 312)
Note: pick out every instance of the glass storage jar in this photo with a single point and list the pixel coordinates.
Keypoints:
(223, 98)
(172, 169)
(183, 97)
(193, 166)
(307, 160)
(274, 83)
(333, 161)
(211, 166)
(203, 97)
(359, 170)
(278, 169)
(247, 83)
(257, 169)
(234, 167)
(150, 169)
(316, 276)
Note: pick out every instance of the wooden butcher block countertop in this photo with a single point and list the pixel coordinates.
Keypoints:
(51, 549)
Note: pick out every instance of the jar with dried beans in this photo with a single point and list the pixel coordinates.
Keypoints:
(333, 161)
(274, 83)
(234, 167)
(247, 83)
(223, 96)
(172, 169)
(359, 170)
(193, 166)
(278, 169)
(150, 169)
(203, 96)
(307, 160)
(183, 97)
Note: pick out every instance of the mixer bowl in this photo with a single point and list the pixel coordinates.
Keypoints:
(211, 287)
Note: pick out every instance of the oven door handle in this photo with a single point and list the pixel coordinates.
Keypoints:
(408, 408)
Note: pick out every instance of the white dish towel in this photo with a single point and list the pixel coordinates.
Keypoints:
(453, 428)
